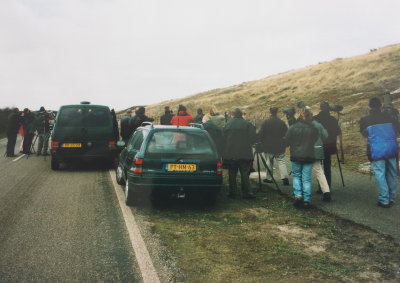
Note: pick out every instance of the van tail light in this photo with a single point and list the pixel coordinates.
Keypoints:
(138, 169)
(219, 168)
(111, 144)
(54, 146)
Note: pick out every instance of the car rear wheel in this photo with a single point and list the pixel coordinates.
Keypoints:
(120, 175)
(128, 195)
(55, 165)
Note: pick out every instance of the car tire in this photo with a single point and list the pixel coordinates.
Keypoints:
(55, 165)
(119, 174)
(129, 200)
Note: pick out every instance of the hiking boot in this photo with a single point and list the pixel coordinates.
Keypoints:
(45, 154)
(267, 181)
(306, 205)
(285, 181)
(327, 196)
(383, 205)
(391, 203)
(298, 201)
(38, 153)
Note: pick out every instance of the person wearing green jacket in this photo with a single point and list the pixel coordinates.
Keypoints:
(319, 157)
(301, 138)
(239, 136)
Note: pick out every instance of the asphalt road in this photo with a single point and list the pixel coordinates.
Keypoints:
(61, 226)
(356, 201)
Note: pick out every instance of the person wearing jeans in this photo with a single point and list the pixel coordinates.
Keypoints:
(382, 149)
(301, 137)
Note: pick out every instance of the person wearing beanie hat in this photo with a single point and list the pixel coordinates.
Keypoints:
(183, 118)
(42, 109)
(382, 150)
(124, 125)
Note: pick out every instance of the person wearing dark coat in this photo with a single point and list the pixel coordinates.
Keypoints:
(12, 131)
(271, 136)
(183, 118)
(199, 117)
(239, 135)
(137, 120)
(215, 133)
(43, 129)
(301, 137)
(28, 125)
(124, 125)
(331, 124)
(382, 150)
(166, 118)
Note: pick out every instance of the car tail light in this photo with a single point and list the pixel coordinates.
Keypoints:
(111, 144)
(54, 146)
(138, 169)
(219, 168)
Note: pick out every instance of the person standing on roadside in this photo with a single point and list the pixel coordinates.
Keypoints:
(124, 125)
(217, 118)
(319, 157)
(28, 123)
(12, 131)
(198, 119)
(183, 118)
(301, 137)
(139, 118)
(43, 130)
(215, 133)
(382, 149)
(166, 118)
(239, 136)
(271, 136)
(331, 124)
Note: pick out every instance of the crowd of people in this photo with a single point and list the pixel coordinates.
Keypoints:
(28, 123)
(311, 141)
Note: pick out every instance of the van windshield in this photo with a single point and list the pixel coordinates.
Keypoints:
(83, 116)
(178, 143)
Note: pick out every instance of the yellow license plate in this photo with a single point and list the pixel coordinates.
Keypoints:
(71, 145)
(181, 167)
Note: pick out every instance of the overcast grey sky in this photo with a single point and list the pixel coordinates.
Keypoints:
(126, 52)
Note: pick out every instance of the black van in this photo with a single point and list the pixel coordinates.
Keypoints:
(84, 132)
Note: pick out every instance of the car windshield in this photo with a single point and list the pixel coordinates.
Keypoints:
(167, 143)
(81, 116)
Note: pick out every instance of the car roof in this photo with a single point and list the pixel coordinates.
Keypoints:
(171, 128)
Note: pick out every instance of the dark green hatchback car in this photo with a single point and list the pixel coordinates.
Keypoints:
(84, 132)
(170, 161)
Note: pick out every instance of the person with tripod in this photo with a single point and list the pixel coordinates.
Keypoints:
(271, 136)
(382, 150)
(43, 130)
(331, 124)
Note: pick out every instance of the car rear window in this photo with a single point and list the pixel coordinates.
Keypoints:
(178, 142)
(84, 116)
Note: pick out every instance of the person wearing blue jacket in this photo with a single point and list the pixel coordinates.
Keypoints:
(382, 150)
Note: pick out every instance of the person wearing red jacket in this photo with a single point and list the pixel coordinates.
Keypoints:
(183, 118)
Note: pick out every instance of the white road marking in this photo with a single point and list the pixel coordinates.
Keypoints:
(146, 266)
(16, 159)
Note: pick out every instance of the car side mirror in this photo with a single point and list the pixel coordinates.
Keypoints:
(120, 144)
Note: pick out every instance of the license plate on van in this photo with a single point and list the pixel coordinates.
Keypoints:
(182, 167)
(71, 145)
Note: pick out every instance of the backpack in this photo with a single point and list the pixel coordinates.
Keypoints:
(382, 141)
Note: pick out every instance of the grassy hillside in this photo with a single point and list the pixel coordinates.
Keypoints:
(346, 81)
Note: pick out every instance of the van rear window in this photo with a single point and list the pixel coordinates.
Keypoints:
(84, 117)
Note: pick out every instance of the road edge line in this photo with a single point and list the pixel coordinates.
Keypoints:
(16, 159)
(149, 273)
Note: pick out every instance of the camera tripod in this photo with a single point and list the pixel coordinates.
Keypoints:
(258, 155)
